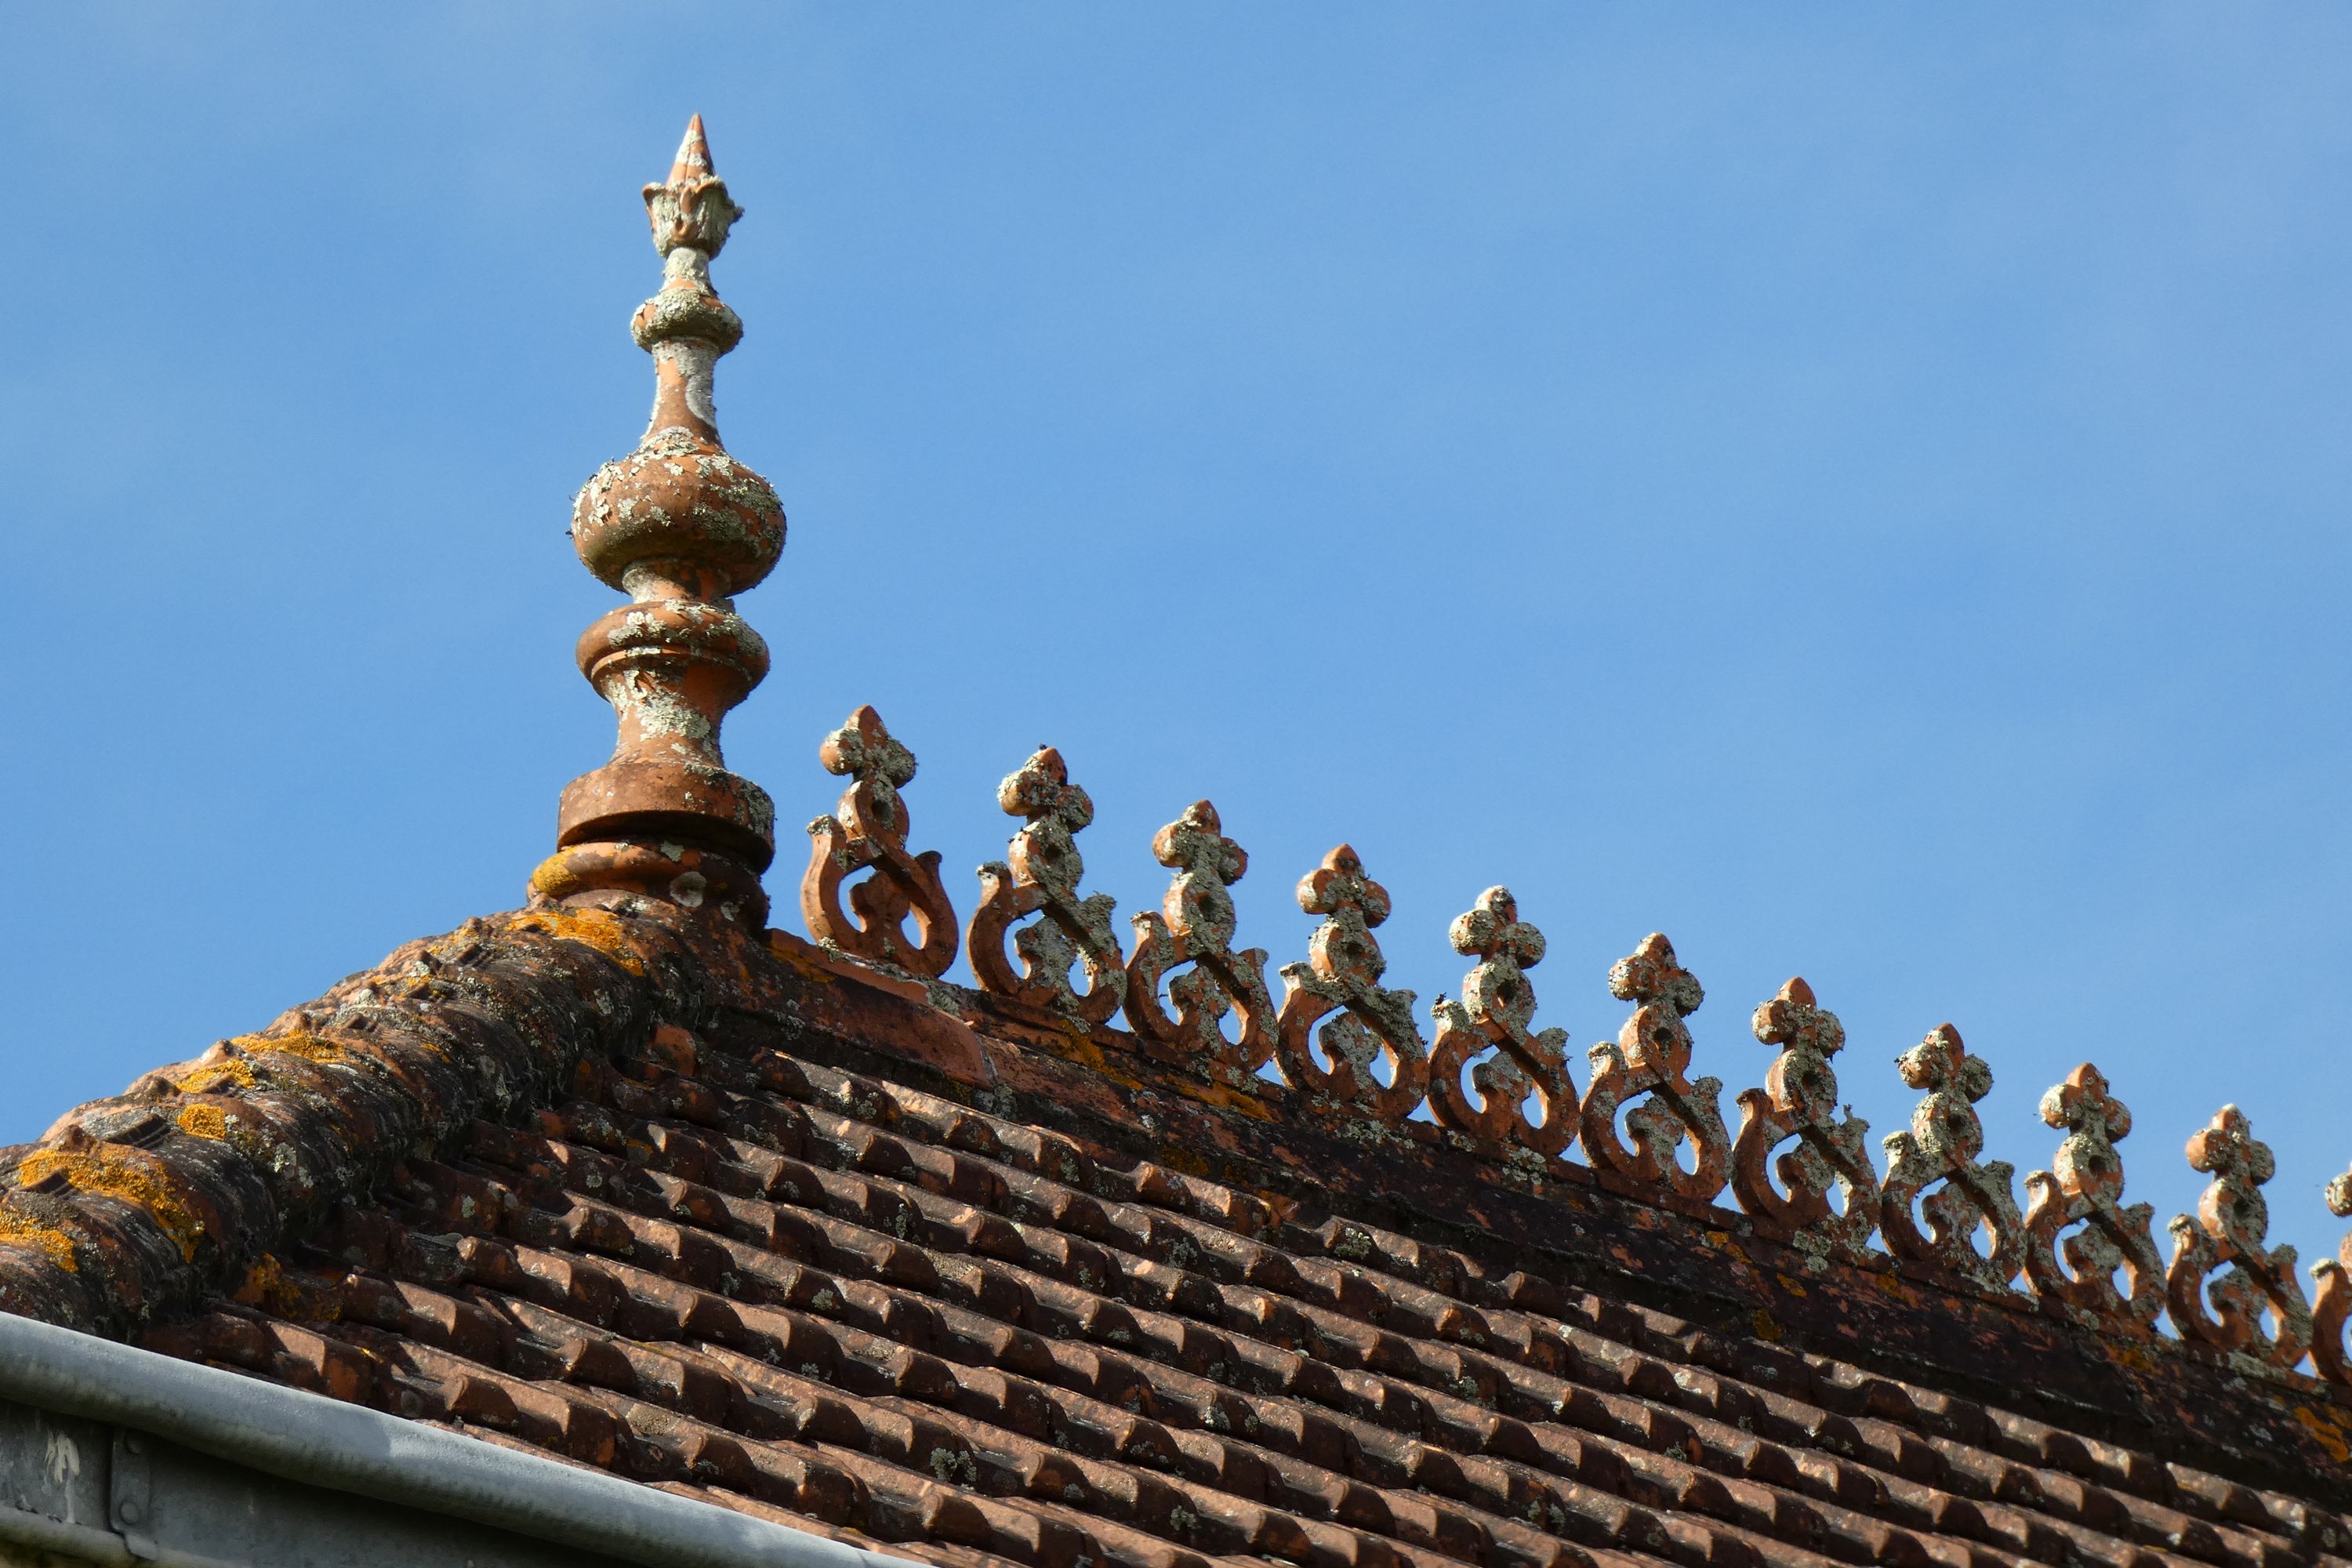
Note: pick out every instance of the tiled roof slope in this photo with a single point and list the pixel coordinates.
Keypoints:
(747, 1219)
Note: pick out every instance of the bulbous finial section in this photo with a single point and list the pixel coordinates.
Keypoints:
(679, 509)
(682, 527)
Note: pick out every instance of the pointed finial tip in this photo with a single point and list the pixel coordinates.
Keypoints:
(693, 161)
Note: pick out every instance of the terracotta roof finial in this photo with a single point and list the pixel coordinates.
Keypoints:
(1649, 1064)
(1830, 1152)
(2227, 1287)
(1342, 976)
(1940, 1152)
(1498, 1004)
(868, 833)
(1039, 876)
(1195, 924)
(681, 527)
(2084, 1185)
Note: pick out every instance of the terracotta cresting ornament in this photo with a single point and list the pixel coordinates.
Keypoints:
(1498, 1002)
(1195, 925)
(2086, 1187)
(1341, 977)
(1651, 1057)
(1942, 1146)
(1040, 877)
(2221, 1256)
(2333, 1309)
(681, 527)
(867, 832)
(1800, 1100)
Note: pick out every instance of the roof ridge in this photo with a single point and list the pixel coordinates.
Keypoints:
(207, 1179)
(137, 1204)
(664, 826)
(1494, 1085)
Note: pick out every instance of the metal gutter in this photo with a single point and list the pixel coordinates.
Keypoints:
(315, 1442)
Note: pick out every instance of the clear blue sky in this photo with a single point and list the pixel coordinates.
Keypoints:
(1861, 490)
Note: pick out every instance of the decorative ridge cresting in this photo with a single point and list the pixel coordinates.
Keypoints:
(1040, 875)
(1195, 926)
(2086, 1187)
(867, 832)
(682, 527)
(1498, 1004)
(2222, 1258)
(1940, 1152)
(1490, 1083)
(1800, 1100)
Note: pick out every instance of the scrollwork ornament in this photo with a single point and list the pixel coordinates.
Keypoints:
(2085, 1186)
(1800, 1100)
(1195, 925)
(2221, 1256)
(1341, 977)
(869, 832)
(1498, 1004)
(2334, 1308)
(1651, 1057)
(1945, 1139)
(1041, 878)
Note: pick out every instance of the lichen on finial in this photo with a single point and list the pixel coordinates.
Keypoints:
(1799, 1101)
(1941, 1150)
(1040, 875)
(1649, 1062)
(682, 527)
(1497, 1004)
(2222, 1255)
(2085, 1186)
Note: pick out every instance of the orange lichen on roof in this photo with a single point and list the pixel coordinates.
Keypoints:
(202, 1120)
(208, 1073)
(17, 1229)
(136, 1177)
(592, 928)
(297, 1043)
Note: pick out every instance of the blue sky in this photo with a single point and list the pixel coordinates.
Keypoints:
(1859, 490)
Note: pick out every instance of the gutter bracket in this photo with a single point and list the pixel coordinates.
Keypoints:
(131, 1495)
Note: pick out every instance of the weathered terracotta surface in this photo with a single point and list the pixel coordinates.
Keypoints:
(2086, 1188)
(1498, 1004)
(1648, 1067)
(1799, 1102)
(867, 832)
(1040, 877)
(2222, 1259)
(798, 1226)
(782, 1230)
(682, 527)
